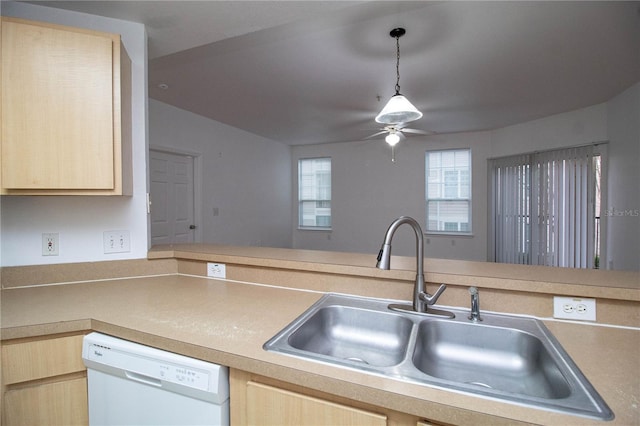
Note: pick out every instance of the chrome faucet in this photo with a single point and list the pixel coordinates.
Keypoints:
(422, 300)
(475, 304)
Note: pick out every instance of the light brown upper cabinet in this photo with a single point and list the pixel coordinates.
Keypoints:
(66, 111)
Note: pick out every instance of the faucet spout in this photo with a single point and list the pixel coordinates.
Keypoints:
(421, 299)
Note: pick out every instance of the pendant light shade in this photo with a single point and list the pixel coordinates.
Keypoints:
(398, 109)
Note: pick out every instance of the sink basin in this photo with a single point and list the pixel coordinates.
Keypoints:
(510, 358)
(505, 359)
(356, 335)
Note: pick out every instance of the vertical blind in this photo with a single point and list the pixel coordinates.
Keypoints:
(543, 207)
(510, 195)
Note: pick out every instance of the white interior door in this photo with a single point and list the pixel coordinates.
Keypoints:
(172, 198)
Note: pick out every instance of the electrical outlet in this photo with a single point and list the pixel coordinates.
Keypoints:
(575, 308)
(50, 246)
(116, 241)
(216, 270)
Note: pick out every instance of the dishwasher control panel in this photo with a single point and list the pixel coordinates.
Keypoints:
(184, 375)
(108, 355)
(151, 370)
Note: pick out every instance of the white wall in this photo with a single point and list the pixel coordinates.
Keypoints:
(80, 221)
(571, 128)
(1, 199)
(622, 210)
(369, 191)
(245, 177)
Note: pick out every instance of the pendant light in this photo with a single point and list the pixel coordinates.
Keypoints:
(398, 109)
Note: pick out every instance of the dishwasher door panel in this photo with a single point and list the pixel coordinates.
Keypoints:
(119, 401)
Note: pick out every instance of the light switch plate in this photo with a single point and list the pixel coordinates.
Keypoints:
(116, 241)
(575, 308)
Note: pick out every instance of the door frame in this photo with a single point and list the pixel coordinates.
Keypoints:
(197, 187)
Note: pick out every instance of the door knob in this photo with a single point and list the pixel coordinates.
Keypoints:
(192, 227)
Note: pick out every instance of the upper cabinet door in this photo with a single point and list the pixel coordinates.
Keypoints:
(62, 110)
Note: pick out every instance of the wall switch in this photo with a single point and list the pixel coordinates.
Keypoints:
(50, 242)
(576, 308)
(116, 241)
(216, 270)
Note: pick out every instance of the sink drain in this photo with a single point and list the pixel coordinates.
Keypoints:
(356, 359)
(484, 385)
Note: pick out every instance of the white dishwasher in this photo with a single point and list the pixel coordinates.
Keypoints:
(133, 384)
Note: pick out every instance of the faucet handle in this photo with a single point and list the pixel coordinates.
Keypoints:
(475, 305)
(429, 299)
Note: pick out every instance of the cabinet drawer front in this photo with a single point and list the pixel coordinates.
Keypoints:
(59, 403)
(267, 405)
(38, 359)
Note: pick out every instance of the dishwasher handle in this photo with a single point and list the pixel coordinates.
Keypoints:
(143, 379)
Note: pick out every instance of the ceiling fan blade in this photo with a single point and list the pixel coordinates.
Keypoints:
(418, 132)
(376, 134)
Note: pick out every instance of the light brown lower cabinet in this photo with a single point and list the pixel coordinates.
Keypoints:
(257, 401)
(268, 405)
(44, 382)
(57, 403)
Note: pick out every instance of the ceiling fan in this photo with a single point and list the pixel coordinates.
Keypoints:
(396, 133)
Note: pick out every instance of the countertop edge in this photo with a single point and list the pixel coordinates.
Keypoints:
(615, 285)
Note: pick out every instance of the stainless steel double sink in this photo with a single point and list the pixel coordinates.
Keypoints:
(511, 358)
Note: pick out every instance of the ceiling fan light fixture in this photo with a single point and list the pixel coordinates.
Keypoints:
(398, 110)
(392, 139)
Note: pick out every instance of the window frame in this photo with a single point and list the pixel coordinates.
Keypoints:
(468, 200)
(301, 200)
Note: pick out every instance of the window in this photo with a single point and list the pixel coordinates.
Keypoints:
(448, 191)
(314, 193)
(544, 207)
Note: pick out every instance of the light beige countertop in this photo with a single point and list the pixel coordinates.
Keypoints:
(227, 322)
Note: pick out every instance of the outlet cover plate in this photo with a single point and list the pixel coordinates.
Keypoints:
(575, 308)
(216, 270)
(50, 244)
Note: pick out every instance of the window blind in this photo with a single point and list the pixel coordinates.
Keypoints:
(510, 192)
(543, 207)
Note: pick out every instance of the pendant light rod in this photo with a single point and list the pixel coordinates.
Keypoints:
(397, 33)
